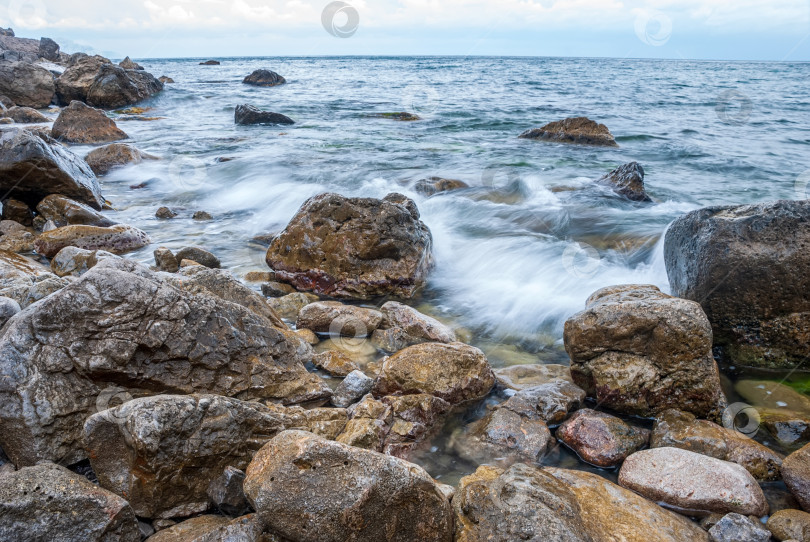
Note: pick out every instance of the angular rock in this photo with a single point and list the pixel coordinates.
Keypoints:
(638, 351)
(338, 319)
(49, 502)
(202, 215)
(75, 81)
(503, 436)
(414, 419)
(165, 260)
(210, 528)
(796, 475)
(199, 255)
(354, 247)
(312, 490)
(520, 377)
(627, 181)
(579, 130)
(276, 289)
(521, 503)
(334, 362)
(118, 239)
(24, 280)
(790, 524)
(49, 49)
(27, 85)
(454, 372)
(104, 159)
(351, 389)
(264, 78)
(735, 527)
(166, 80)
(64, 211)
(19, 212)
(80, 123)
(131, 330)
(550, 402)
(743, 265)
(601, 439)
(77, 261)
(415, 324)
(116, 87)
(25, 115)
(165, 212)
(691, 483)
(33, 166)
(682, 430)
(129, 64)
(436, 185)
(248, 114)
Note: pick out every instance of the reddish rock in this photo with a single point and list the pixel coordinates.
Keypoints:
(601, 439)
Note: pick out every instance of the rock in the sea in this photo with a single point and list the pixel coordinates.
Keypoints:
(796, 474)
(743, 265)
(80, 123)
(116, 87)
(309, 489)
(165, 260)
(34, 166)
(24, 115)
(682, 430)
(129, 64)
(351, 389)
(520, 503)
(103, 159)
(165, 213)
(77, 261)
(601, 439)
(162, 452)
(790, 525)
(210, 63)
(354, 247)
(627, 181)
(227, 493)
(199, 255)
(736, 527)
(454, 372)
(118, 239)
(338, 319)
(520, 377)
(692, 483)
(248, 114)
(417, 326)
(580, 130)
(437, 185)
(264, 78)
(48, 502)
(638, 351)
(27, 85)
(62, 211)
(75, 81)
(550, 402)
(131, 330)
(166, 80)
(290, 305)
(611, 513)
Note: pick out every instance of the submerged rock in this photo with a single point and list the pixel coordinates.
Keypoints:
(354, 247)
(312, 490)
(437, 185)
(417, 326)
(264, 78)
(199, 255)
(62, 211)
(248, 114)
(627, 181)
(80, 123)
(118, 239)
(104, 159)
(166, 80)
(401, 116)
(742, 264)
(210, 63)
(520, 377)
(338, 319)
(27, 85)
(638, 351)
(601, 439)
(580, 130)
(24, 115)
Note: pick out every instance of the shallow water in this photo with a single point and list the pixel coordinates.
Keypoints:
(522, 251)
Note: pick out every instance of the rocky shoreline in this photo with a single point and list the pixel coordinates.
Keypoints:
(175, 402)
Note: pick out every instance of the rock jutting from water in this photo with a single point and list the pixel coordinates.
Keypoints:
(80, 123)
(579, 130)
(627, 181)
(264, 78)
(104, 159)
(248, 114)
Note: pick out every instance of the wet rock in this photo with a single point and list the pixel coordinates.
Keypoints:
(80, 123)
(638, 351)
(682, 430)
(354, 247)
(24, 280)
(8, 227)
(76, 261)
(324, 422)
(790, 524)
(116, 87)
(163, 451)
(521, 503)
(165, 260)
(796, 475)
(351, 389)
(62, 211)
(25, 115)
(368, 425)
(49, 502)
(166, 80)
(199, 255)
(290, 305)
(118, 239)
(32, 167)
(692, 483)
(627, 181)
(248, 114)
(131, 328)
(17, 211)
(454, 372)
(550, 402)
(276, 289)
(27, 85)
(49, 49)
(308, 336)
(420, 327)
(338, 319)
(735, 527)
(104, 159)
(129, 64)
(580, 130)
(264, 78)
(601, 439)
(75, 81)
(18, 241)
(335, 363)
(165, 212)
(414, 419)
(791, 429)
(8, 308)
(210, 63)
(312, 490)
(210, 528)
(402, 116)
(202, 215)
(437, 185)
(519, 377)
(741, 264)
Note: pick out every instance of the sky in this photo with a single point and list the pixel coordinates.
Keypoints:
(692, 29)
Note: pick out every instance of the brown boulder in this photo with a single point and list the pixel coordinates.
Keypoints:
(627, 181)
(80, 123)
(354, 247)
(414, 325)
(104, 159)
(437, 185)
(27, 85)
(790, 525)
(24, 115)
(580, 130)
(601, 439)
(550, 402)
(118, 239)
(796, 474)
(75, 81)
(338, 319)
(503, 436)
(64, 211)
(116, 87)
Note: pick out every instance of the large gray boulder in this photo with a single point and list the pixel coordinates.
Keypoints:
(123, 327)
(747, 267)
(27, 85)
(116, 87)
(33, 166)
